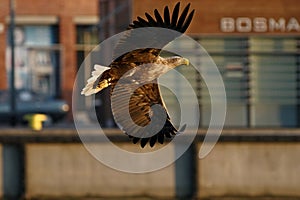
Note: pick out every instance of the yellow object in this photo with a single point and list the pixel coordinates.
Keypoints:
(35, 121)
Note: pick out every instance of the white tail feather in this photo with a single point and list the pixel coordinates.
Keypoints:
(90, 89)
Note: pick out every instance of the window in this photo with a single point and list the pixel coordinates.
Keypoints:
(87, 40)
(181, 87)
(36, 59)
(230, 56)
(261, 79)
(273, 64)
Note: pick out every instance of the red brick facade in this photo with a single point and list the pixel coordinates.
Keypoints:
(209, 12)
(65, 11)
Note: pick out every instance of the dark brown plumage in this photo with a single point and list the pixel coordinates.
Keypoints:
(145, 66)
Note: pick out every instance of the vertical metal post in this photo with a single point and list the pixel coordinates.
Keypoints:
(298, 87)
(13, 120)
(13, 171)
(13, 155)
(248, 96)
(185, 172)
(105, 119)
(114, 16)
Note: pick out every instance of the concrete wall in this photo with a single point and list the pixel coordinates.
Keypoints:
(250, 169)
(231, 169)
(69, 170)
(1, 170)
(263, 167)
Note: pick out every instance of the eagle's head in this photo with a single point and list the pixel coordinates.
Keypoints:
(177, 61)
(173, 61)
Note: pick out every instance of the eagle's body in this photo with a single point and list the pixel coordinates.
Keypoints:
(141, 67)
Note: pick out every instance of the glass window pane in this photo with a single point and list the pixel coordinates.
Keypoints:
(187, 49)
(230, 56)
(38, 35)
(36, 59)
(87, 35)
(273, 81)
(86, 41)
(276, 115)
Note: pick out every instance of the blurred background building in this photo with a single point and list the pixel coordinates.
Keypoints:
(256, 48)
(50, 38)
(255, 45)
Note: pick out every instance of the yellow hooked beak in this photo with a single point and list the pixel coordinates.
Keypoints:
(186, 61)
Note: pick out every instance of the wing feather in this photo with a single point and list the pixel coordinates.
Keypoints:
(174, 21)
(142, 21)
(159, 19)
(187, 22)
(151, 21)
(182, 17)
(140, 104)
(138, 24)
(175, 15)
(167, 16)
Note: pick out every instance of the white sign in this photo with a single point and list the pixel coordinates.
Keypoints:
(259, 24)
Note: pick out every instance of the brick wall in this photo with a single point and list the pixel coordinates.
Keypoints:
(4, 7)
(209, 12)
(65, 10)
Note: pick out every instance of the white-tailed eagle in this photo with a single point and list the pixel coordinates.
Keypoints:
(148, 94)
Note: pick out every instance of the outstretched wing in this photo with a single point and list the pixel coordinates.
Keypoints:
(175, 22)
(142, 35)
(141, 114)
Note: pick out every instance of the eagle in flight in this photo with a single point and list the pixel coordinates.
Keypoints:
(139, 64)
